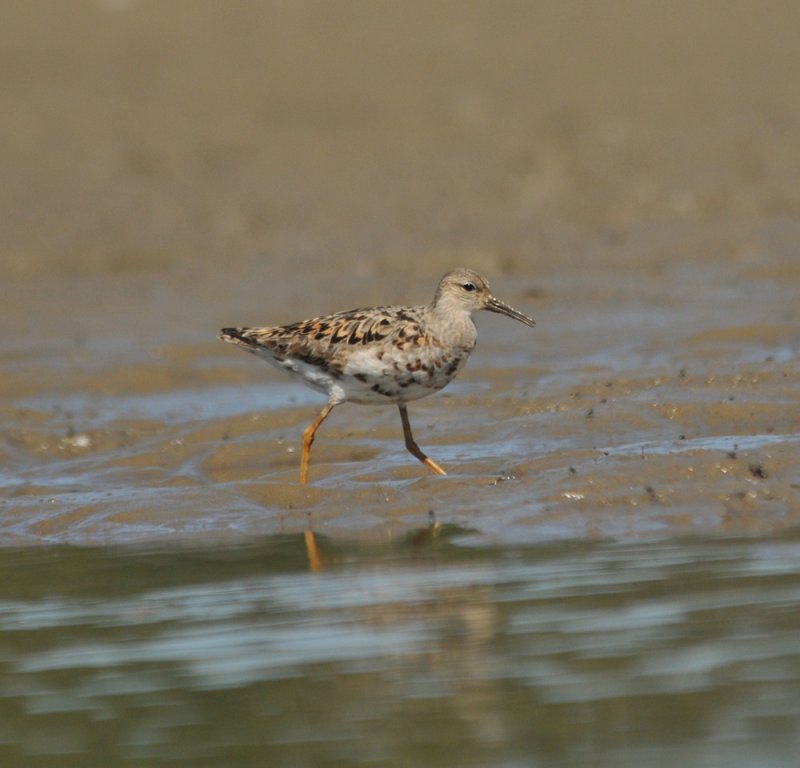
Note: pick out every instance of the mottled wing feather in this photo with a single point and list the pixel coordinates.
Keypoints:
(326, 341)
(360, 326)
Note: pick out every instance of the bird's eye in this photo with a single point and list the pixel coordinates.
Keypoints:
(468, 287)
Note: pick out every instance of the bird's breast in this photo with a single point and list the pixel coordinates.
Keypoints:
(400, 375)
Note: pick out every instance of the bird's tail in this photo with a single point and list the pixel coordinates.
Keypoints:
(238, 336)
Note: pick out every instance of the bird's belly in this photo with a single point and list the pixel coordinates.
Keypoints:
(374, 376)
(371, 379)
(375, 391)
(313, 376)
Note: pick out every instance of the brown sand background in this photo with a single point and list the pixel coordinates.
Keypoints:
(625, 172)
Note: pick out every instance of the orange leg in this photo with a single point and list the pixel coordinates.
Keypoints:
(413, 448)
(308, 439)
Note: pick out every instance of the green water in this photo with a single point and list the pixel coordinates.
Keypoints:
(427, 652)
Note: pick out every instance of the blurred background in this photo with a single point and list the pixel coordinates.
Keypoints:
(215, 152)
(608, 573)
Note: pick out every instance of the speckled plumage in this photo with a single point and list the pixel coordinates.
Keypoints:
(380, 355)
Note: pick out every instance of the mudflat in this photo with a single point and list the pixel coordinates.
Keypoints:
(624, 173)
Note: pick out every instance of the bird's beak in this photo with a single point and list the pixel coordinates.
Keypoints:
(495, 305)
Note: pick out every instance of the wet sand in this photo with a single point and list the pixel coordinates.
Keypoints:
(624, 173)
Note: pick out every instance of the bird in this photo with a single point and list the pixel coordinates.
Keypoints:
(379, 355)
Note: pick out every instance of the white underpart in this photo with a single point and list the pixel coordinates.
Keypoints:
(365, 361)
(311, 375)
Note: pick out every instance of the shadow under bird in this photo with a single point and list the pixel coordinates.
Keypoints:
(380, 355)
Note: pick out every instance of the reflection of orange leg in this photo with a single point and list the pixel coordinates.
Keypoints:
(308, 439)
(314, 559)
(413, 448)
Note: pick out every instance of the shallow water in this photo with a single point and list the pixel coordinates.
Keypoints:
(424, 652)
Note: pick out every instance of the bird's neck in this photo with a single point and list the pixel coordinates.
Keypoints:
(452, 325)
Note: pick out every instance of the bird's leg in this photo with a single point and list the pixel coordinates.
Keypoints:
(413, 448)
(308, 439)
